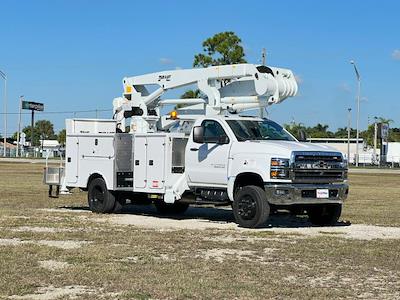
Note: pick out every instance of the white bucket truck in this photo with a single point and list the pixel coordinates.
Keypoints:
(203, 152)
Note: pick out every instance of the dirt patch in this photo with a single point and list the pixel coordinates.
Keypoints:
(356, 231)
(51, 292)
(221, 218)
(53, 265)
(66, 245)
(10, 242)
(166, 223)
(220, 255)
(38, 229)
(64, 210)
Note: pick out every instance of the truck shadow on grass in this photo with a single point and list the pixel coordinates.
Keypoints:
(223, 215)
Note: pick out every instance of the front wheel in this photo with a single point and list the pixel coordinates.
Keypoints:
(100, 199)
(327, 214)
(250, 207)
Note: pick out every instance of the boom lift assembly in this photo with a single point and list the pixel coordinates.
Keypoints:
(203, 152)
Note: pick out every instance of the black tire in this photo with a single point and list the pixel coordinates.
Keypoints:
(327, 214)
(250, 207)
(170, 208)
(100, 199)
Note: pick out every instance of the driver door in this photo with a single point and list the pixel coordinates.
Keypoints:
(207, 163)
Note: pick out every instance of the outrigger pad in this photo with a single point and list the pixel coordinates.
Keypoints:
(57, 191)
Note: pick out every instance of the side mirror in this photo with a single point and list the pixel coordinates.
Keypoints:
(198, 134)
(302, 136)
(223, 139)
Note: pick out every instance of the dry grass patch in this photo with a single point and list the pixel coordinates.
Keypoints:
(126, 261)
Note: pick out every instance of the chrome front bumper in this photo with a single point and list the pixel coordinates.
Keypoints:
(288, 194)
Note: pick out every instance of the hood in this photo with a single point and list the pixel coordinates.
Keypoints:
(279, 148)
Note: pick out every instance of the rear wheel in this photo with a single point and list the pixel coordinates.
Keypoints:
(100, 199)
(327, 214)
(250, 207)
(170, 208)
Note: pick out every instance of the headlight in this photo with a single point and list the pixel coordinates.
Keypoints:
(279, 168)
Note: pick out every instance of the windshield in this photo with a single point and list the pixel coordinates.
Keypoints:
(245, 130)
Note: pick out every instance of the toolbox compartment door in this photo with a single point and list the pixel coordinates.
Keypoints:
(72, 160)
(155, 162)
(140, 162)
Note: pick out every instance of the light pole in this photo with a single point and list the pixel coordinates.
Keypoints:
(375, 138)
(21, 98)
(348, 134)
(4, 76)
(358, 108)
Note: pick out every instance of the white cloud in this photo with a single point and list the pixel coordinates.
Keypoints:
(396, 54)
(166, 61)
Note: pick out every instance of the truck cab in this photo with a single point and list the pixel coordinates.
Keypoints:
(251, 160)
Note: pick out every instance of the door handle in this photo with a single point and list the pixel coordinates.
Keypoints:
(194, 149)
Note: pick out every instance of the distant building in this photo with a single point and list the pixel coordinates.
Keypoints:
(50, 147)
(10, 149)
(340, 144)
(393, 153)
(366, 153)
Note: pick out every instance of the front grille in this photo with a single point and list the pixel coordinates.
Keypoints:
(321, 167)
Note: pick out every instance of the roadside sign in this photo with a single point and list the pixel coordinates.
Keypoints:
(383, 132)
(32, 105)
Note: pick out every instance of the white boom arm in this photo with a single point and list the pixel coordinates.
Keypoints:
(231, 88)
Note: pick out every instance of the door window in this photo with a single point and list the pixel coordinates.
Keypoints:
(213, 131)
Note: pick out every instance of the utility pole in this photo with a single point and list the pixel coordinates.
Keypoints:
(358, 108)
(375, 138)
(263, 62)
(21, 98)
(4, 76)
(32, 128)
(348, 134)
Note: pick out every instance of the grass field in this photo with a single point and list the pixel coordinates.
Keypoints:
(52, 253)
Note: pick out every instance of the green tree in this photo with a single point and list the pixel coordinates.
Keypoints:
(342, 133)
(62, 136)
(320, 131)
(191, 94)
(43, 129)
(394, 135)
(223, 48)
(188, 95)
(295, 129)
(369, 134)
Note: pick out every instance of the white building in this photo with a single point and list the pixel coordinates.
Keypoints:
(366, 153)
(52, 147)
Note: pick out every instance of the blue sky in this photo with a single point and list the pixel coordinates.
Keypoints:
(72, 55)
